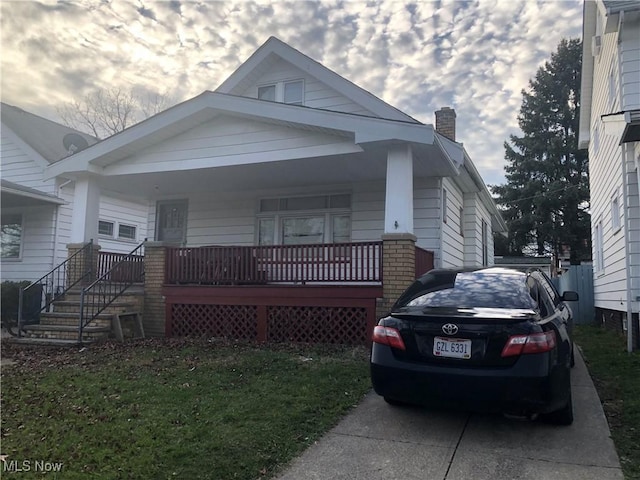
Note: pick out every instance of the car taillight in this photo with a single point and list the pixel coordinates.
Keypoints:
(534, 343)
(388, 336)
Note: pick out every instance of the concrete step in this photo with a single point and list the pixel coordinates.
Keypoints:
(70, 306)
(135, 290)
(65, 332)
(72, 319)
(52, 342)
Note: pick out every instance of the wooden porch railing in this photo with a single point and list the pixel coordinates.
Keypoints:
(132, 268)
(424, 261)
(297, 264)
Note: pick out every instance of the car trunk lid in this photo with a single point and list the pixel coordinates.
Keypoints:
(470, 337)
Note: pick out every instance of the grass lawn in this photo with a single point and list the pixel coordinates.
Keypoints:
(185, 409)
(616, 375)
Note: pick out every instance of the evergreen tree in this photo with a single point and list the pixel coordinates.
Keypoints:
(545, 201)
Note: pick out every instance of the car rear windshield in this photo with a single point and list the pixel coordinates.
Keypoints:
(481, 289)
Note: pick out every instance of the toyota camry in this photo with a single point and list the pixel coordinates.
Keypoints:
(488, 339)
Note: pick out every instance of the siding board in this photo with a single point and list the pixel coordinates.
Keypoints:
(606, 159)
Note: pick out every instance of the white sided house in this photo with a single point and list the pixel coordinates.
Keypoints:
(287, 205)
(610, 129)
(37, 213)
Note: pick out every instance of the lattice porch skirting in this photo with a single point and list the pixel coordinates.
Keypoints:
(272, 314)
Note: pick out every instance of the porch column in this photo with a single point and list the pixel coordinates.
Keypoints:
(82, 267)
(85, 210)
(154, 316)
(398, 203)
(398, 240)
(398, 268)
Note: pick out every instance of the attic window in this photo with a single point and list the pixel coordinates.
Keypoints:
(291, 92)
(267, 92)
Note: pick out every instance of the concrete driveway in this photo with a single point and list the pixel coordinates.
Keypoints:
(377, 441)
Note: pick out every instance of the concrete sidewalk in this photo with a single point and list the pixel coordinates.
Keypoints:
(377, 441)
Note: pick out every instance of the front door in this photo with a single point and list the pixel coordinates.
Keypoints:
(171, 221)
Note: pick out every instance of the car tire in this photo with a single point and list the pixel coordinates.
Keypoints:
(564, 416)
(573, 355)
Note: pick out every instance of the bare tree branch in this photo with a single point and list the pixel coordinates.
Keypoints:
(106, 112)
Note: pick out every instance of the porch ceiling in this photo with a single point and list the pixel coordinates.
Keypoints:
(366, 166)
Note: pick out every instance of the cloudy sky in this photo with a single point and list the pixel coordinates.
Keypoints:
(417, 55)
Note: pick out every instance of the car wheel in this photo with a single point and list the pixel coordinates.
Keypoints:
(564, 416)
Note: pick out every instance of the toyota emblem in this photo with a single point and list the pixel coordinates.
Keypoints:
(450, 329)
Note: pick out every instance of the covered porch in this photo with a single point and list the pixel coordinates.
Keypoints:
(256, 205)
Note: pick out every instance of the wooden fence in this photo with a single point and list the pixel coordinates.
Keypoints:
(579, 278)
(424, 261)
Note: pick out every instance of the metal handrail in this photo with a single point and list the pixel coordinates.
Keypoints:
(95, 298)
(57, 282)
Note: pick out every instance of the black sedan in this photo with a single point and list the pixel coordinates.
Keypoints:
(489, 339)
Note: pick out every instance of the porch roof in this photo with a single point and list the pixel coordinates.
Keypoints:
(14, 195)
(362, 132)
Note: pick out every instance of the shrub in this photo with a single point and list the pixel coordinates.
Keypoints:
(10, 299)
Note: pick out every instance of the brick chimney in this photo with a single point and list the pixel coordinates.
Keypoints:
(446, 122)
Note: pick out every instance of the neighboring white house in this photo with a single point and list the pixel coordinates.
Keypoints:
(610, 129)
(36, 210)
(287, 151)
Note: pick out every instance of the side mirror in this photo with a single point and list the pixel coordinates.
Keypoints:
(569, 296)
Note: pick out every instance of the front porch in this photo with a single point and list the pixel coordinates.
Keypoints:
(330, 293)
(314, 293)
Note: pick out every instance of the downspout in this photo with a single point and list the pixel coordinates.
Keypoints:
(440, 262)
(627, 241)
(626, 150)
(54, 263)
(637, 299)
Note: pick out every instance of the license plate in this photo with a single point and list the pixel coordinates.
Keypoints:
(451, 347)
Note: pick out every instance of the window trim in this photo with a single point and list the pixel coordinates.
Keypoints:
(113, 229)
(612, 87)
(21, 248)
(128, 239)
(280, 90)
(485, 242)
(445, 205)
(278, 218)
(598, 242)
(275, 92)
(616, 220)
(284, 88)
(183, 202)
(328, 213)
